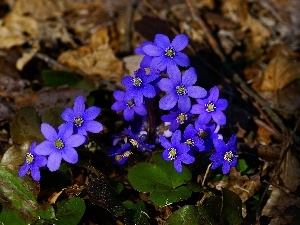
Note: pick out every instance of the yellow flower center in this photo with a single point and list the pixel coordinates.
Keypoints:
(130, 103)
(59, 143)
(134, 142)
(29, 158)
(190, 142)
(172, 153)
(228, 156)
(170, 52)
(137, 81)
(210, 107)
(202, 134)
(181, 90)
(78, 121)
(181, 118)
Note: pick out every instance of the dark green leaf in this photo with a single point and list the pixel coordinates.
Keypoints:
(18, 194)
(232, 208)
(210, 210)
(70, 211)
(160, 178)
(186, 215)
(137, 213)
(26, 126)
(52, 116)
(7, 214)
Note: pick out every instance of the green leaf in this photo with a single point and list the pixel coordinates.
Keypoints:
(164, 183)
(210, 210)
(26, 126)
(54, 78)
(7, 214)
(186, 215)
(242, 165)
(70, 211)
(52, 116)
(232, 208)
(137, 213)
(18, 194)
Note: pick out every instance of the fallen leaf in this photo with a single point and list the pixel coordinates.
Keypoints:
(95, 59)
(280, 72)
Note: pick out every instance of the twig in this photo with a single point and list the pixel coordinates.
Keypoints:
(276, 169)
(236, 78)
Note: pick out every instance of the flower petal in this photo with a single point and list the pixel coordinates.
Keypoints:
(93, 126)
(145, 62)
(219, 117)
(189, 77)
(149, 91)
(175, 75)
(176, 137)
(182, 59)
(164, 142)
(75, 140)
(165, 155)
(177, 165)
(180, 42)
(184, 103)
(221, 104)
(68, 114)
(141, 110)
(165, 84)
(226, 167)
(128, 114)
(79, 105)
(204, 118)
(162, 41)
(45, 148)
(168, 101)
(35, 173)
(49, 132)
(40, 161)
(196, 92)
(214, 94)
(23, 170)
(159, 63)
(70, 155)
(153, 50)
(118, 106)
(91, 113)
(54, 161)
(127, 81)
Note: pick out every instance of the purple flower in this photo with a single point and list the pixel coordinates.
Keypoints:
(136, 140)
(145, 63)
(207, 133)
(165, 53)
(33, 162)
(179, 89)
(121, 155)
(82, 119)
(192, 139)
(177, 151)
(129, 107)
(59, 145)
(225, 154)
(138, 87)
(176, 118)
(211, 107)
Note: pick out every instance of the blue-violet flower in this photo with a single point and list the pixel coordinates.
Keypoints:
(207, 133)
(121, 154)
(166, 53)
(129, 107)
(225, 154)
(211, 107)
(59, 145)
(177, 151)
(33, 162)
(176, 118)
(179, 89)
(138, 87)
(82, 119)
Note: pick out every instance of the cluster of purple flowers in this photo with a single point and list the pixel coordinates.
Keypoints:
(60, 144)
(195, 114)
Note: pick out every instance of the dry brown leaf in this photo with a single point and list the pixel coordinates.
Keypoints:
(39, 9)
(16, 30)
(95, 59)
(243, 186)
(290, 172)
(280, 72)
